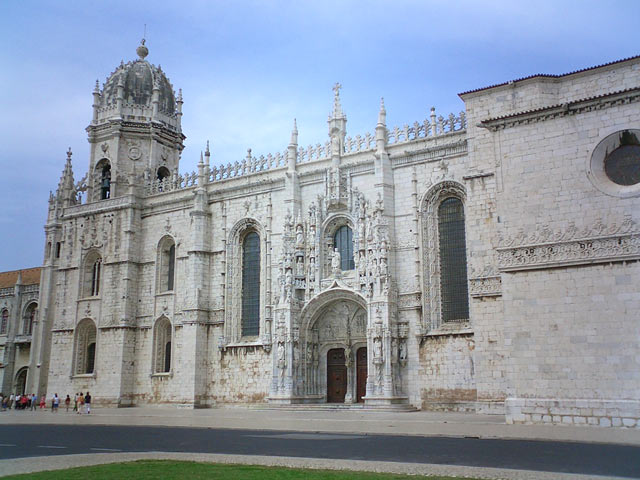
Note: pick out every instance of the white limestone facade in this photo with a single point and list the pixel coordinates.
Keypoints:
(323, 274)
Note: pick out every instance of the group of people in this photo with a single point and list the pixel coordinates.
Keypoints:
(81, 402)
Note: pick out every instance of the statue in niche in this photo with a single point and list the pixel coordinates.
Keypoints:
(312, 269)
(300, 266)
(335, 262)
(384, 268)
(299, 236)
(377, 348)
(402, 352)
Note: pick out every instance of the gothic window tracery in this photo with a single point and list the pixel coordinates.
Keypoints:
(166, 265)
(444, 260)
(162, 346)
(92, 274)
(29, 317)
(85, 347)
(251, 285)
(4, 323)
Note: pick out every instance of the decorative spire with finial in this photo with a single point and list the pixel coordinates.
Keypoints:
(294, 133)
(142, 50)
(337, 108)
(97, 87)
(382, 114)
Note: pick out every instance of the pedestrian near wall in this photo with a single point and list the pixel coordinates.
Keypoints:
(80, 403)
(34, 401)
(43, 401)
(56, 402)
(87, 402)
(67, 402)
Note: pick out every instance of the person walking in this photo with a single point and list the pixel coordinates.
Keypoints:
(80, 403)
(75, 402)
(56, 402)
(43, 401)
(11, 397)
(34, 402)
(87, 402)
(67, 402)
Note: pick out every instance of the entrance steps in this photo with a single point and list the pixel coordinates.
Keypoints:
(328, 407)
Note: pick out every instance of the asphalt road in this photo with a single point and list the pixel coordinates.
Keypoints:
(18, 441)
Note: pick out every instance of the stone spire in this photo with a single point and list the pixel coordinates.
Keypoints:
(381, 129)
(337, 127)
(66, 187)
(292, 149)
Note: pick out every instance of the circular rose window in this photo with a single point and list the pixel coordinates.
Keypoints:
(615, 164)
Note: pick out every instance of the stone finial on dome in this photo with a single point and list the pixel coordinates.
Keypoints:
(142, 50)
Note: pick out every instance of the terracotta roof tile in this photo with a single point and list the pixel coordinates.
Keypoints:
(30, 276)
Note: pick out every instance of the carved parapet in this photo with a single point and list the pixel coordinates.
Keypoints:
(485, 286)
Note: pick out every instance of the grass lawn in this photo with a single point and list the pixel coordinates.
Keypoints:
(169, 469)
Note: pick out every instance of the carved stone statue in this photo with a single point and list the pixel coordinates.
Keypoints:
(299, 236)
(336, 260)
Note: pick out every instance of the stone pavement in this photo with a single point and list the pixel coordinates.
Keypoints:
(342, 421)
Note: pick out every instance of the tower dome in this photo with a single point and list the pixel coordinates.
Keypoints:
(139, 78)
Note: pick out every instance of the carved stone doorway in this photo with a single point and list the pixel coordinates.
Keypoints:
(336, 376)
(361, 374)
(21, 382)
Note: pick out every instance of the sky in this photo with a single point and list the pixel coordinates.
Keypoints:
(248, 68)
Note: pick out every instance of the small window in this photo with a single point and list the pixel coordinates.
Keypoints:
(163, 172)
(58, 248)
(343, 241)
(105, 182)
(91, 358)
(4, 325)
(166, 265)
(251, 285)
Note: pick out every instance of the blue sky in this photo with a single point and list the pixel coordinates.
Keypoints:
(248, 68)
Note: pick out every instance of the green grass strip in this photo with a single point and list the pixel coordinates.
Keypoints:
(170, 469)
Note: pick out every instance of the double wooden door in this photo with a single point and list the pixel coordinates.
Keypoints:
(336, 376)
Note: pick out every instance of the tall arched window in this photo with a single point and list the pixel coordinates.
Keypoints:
(453, 261)
(251, 285)
(95, 277)
(4, 323)
(445, 299)
(162, 346)
(343, 241)
(105, 182)
(91, 275)
(29, 317)
(85, 347)
(166, 265)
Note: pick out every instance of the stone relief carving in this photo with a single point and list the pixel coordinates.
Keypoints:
(595, 243)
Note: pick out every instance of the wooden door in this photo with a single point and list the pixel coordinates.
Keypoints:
(336, 376)
(361, 373)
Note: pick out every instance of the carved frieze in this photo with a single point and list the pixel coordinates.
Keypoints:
(597, 243)
(485, 286)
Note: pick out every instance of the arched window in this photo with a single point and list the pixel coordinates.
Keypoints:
(92, 274)
(95, 277)
(162, 346)
(453, 261)
(105, 182)
(4, 323)
(85, 347)
(343, 241)
(163, 172)
(251, 285)
(445, 298)
(29, 317)
(166, 265)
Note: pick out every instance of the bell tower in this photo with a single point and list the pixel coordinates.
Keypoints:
(135, 129)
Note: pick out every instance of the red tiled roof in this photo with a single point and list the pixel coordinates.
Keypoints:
(548, 75)
(30, 276)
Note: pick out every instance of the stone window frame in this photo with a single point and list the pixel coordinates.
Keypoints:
(596, 166)
(329, 229)
(430, 255)
(4, 321)
(86, 333)
(163, 331)
(233, 289)
(29, 316)
(163, 264)
(90, 284)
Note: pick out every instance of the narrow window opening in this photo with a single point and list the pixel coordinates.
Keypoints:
(251, 285)
(171, 262)
(5, 322)
(91, 357)
(343, 241)
(58, 248)
(167, 357)
(105, 183)
(95, 278)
